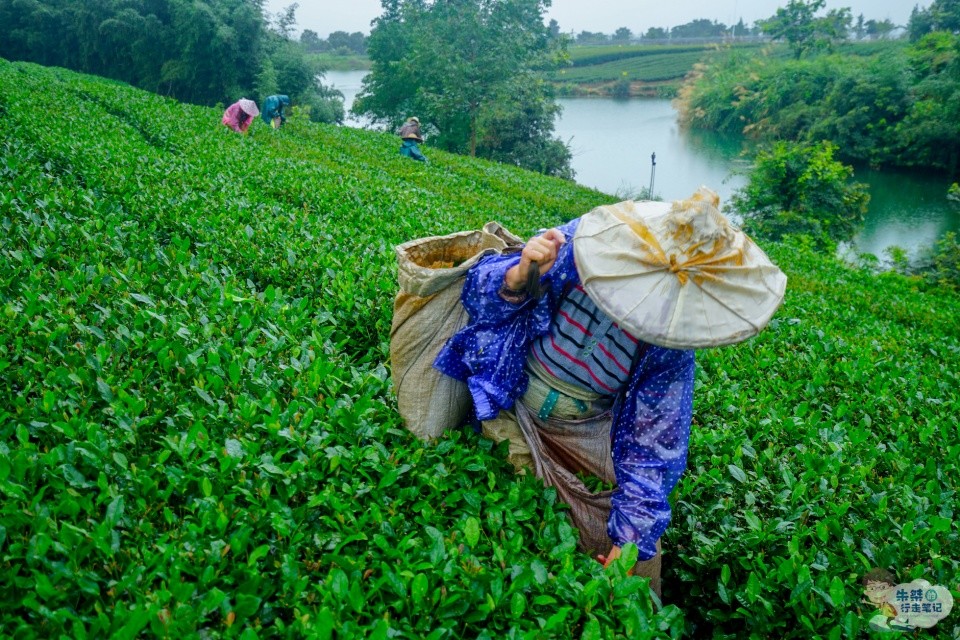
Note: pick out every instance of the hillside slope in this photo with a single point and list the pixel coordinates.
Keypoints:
(198, 434)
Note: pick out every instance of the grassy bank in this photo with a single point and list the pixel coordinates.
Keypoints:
(629, 70)
(199, 437)
(333, 62)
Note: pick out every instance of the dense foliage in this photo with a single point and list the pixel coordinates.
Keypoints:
(898, 106)
(199, 52)
(197, 435)
(799, 189)
(470, 70)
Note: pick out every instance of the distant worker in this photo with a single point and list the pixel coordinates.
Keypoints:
(410, 133)
(240, 114)
(273, 110)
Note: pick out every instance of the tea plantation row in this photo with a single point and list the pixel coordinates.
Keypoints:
(198, 436)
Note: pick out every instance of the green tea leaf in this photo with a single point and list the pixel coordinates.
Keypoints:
(418, 588)
(737, 473)
(234, 372)
(592, 630)
(74, 477)
(471, 530)
(518, 604)
(754, 588)
(105, 392)
(837, 592)
(257, 553)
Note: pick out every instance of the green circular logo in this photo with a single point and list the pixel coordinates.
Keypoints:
(931, 595)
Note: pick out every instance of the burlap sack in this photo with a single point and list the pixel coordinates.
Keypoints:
(426, 313)
(561, 448)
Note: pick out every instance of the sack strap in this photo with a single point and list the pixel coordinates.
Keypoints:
(548, 404)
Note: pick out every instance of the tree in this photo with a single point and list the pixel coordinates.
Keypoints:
(310, 40)
(798, 25)
(941, 15)
(836, 26)
(201, 52)
(739, 29)
(796, 188)
(554, 29)
(347, 42)
(589, 37)
(920, 23)
(358, 43)
(470, 69)
(700, 28)
(287, 20)
(879, 28)
(859, 30)
(622, 35)
(656, 33)
(929, 135)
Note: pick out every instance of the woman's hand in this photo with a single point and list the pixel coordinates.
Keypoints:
(542, 250)
(612, 555)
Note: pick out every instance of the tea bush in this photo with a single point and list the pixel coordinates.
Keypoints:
(198, 436)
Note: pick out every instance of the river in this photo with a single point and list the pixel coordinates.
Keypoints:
(612, 141)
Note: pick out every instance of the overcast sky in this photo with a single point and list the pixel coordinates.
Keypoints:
(606, 16)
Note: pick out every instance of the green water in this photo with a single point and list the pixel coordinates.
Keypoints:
(907, 209)
(612, 142)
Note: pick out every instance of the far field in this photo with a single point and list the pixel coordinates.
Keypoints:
(644, 70)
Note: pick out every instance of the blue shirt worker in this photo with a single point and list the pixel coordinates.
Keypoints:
(410, 134)
(273, 110)
(629, 291)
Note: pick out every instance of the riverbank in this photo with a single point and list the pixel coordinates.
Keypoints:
(331, 62)
(618, 89)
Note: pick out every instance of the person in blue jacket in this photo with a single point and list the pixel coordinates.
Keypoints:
(410, 134)
(273, 110)
(564, 357)
(655, 394)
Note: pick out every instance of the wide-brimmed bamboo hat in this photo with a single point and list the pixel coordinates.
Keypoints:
(249, 107)
(677, 275)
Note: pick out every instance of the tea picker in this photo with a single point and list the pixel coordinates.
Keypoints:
(240, 114)
(596, 375)
(410, 135)
(273, 110)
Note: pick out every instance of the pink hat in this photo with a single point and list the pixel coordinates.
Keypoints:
(249, 107)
